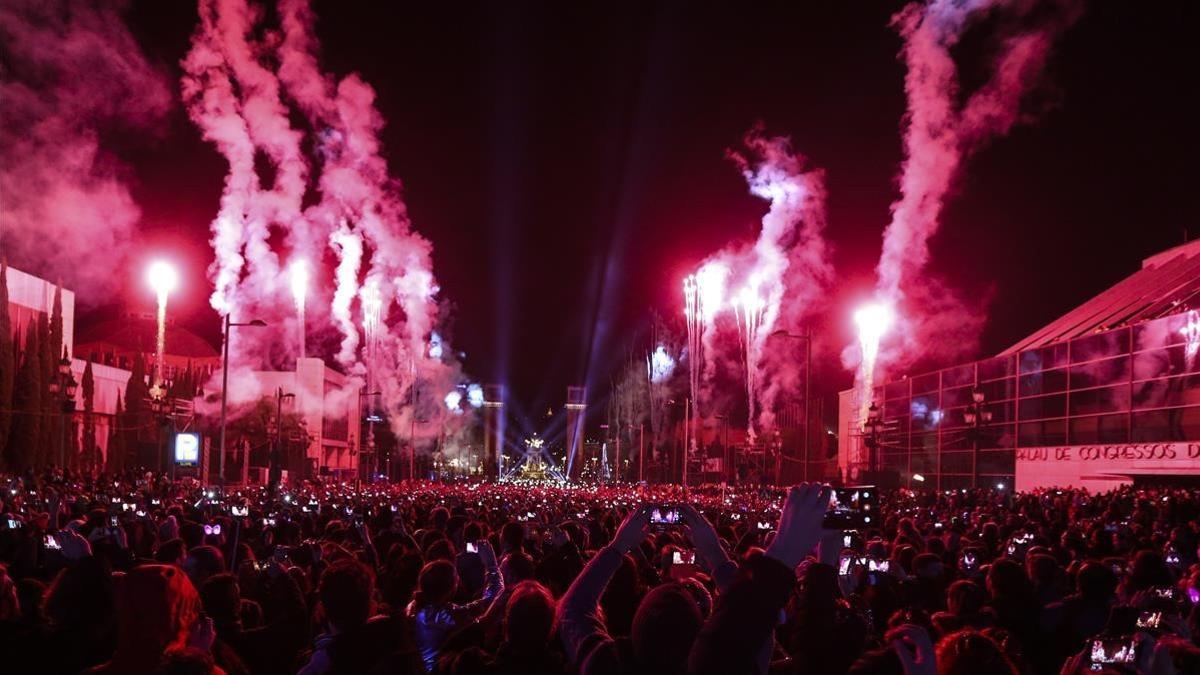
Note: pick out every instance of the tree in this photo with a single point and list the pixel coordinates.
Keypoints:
(115, 461)
(89, 460)
(27, 405)
(7, 364)
(137, 415)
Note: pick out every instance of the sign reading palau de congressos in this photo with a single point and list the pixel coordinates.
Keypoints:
(1104, 467)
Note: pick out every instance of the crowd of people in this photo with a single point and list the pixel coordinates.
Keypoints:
(141, 574)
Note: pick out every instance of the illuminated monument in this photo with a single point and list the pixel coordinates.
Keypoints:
(576, 407)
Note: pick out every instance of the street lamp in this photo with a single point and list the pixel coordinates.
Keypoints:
(977, 417)
(275, 472)
(872, 428)
(257, 323)
(62, 388)
(372, 417)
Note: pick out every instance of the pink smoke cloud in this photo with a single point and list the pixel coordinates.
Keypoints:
(72, 73)
(244, 77)
(784, 273)
(939, 134)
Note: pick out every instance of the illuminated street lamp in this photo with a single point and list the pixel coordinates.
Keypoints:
(871, 430)
(977, 417)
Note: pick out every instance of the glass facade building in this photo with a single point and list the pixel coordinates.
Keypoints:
(1134, 384)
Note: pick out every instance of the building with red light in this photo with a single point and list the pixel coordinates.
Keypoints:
(1108, 394)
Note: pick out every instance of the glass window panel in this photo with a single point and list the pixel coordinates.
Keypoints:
(897, 389)
(995, 368)
(1108, 399)
(924, 462)
(1099, 429)
(1167, 392)
(1046, 382)
(1045, 358)
(1100, 373)
(1171, 424)
(924, 442)
(1164, 362)
(958, 376)
(998, 436)
(896, 408)
(956, 482)
(998, 390)
(1100, 345)
(925, 412)
(924, 384)
(997, 462)
(1040, 407)
(1168, 330)
(957, 396)
(959, 439)
(956, 462)
(1001, 412)
(1039, 434)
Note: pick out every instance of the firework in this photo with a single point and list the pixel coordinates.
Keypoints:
(298, 274)
(748, 311)
(163, 279)
(873, 321)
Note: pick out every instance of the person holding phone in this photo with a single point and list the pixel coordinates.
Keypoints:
(434, 613)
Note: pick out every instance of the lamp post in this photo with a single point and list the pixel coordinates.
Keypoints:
(371, 419)
(871, 429)
(62, 387)
(276, 470)
(807, 338)
(257, 323)
(159, 406)
(977, 417)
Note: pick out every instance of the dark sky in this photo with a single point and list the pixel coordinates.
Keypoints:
(567, 160)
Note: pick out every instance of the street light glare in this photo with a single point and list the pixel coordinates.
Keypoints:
(162, 277)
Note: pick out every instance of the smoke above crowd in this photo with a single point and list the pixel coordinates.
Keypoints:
(746, 293)
(308, 189)
(942, 127)
(72, 77)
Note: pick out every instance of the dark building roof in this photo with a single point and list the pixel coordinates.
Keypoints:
(1167, 283)
(140, 333)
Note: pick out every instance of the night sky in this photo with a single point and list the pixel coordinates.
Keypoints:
(568, 162)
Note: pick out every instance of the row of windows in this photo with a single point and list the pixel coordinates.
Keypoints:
(1150, 426)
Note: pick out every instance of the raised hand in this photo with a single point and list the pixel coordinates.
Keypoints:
(708, 544)
(486, 554)
(915, 650)
(633, 530)
(800, 523)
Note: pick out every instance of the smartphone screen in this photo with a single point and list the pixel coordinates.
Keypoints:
(1149, 619)
(851, 507)
(52, 542)
(665, 515)
(472, 548)
(1108, 651)
(684, 558)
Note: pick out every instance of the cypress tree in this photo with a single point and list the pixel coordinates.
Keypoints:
(7, 364)
(115, 461)
(88, 452)
(27, 405)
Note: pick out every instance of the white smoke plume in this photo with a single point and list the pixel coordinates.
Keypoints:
(783, 275)
(71, 74)
(243, 80)
(941, 129)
